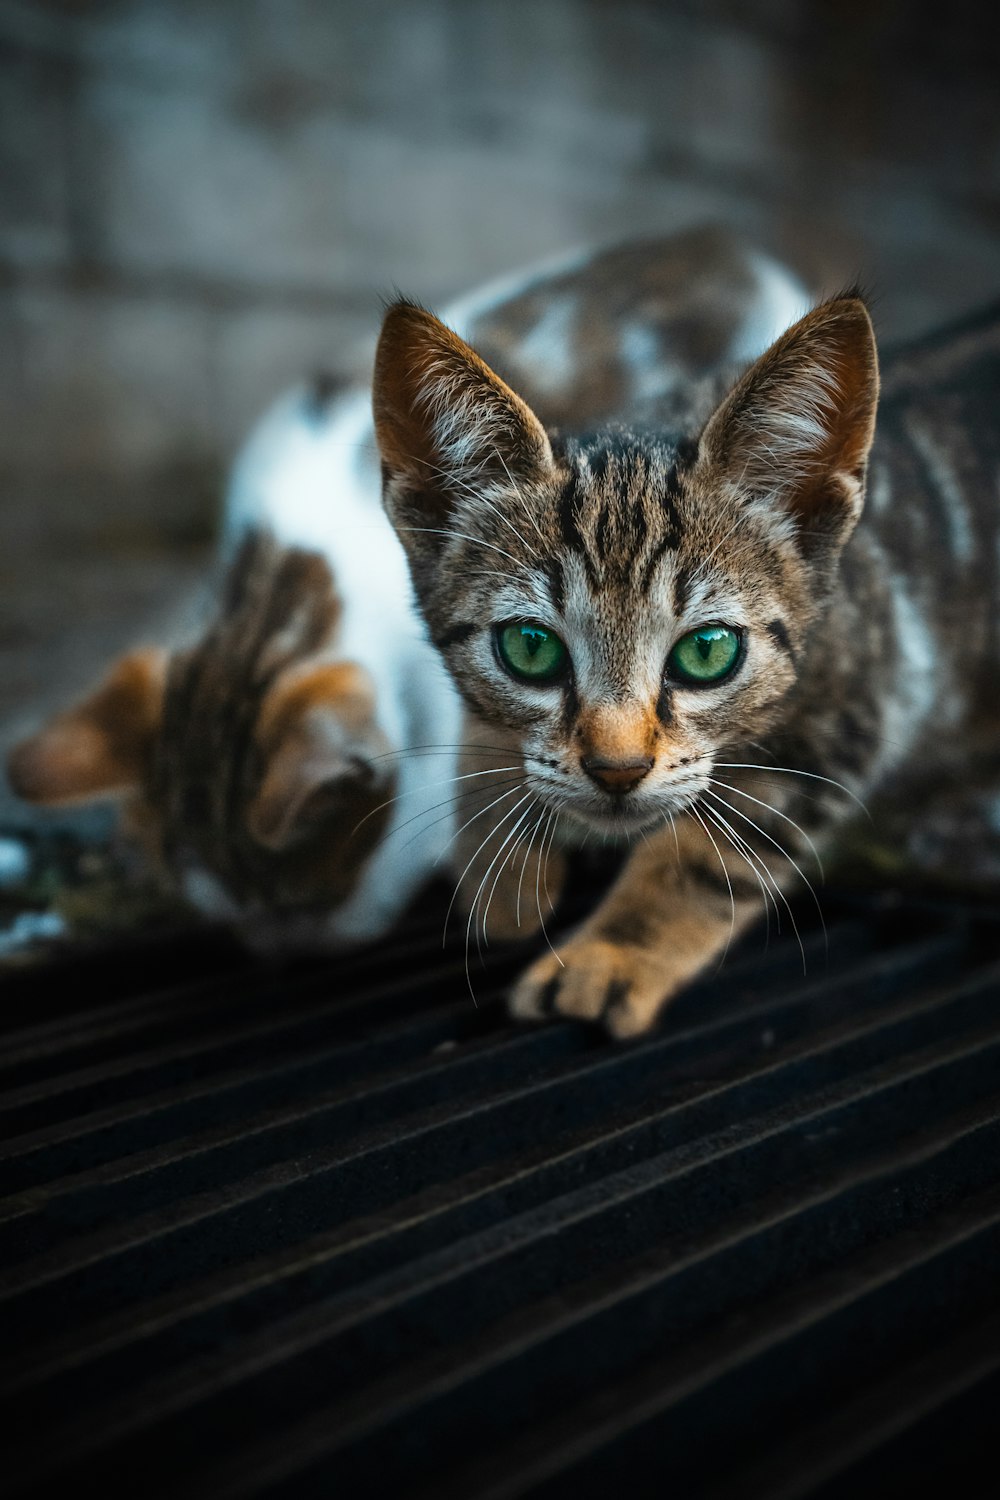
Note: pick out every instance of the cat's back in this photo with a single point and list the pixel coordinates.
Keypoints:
(923, 569)
(615, 332)
(934, 492)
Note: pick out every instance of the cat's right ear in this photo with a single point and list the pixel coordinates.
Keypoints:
(448, 427)
(101, 747)
(797, 428)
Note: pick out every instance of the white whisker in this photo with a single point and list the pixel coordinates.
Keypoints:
(778, 814)
(448, 802)
(474, 904)
(524, 865)
(732, 898)
(543, 868)
(781, 850)
(444, 781)
(733, 765)
(489, 834)
(517, 492)
(718, 818)
(508, 793)
(743, 850)
(464, 537)
(516, 836)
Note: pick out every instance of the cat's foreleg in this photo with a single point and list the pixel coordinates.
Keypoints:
(673, 911)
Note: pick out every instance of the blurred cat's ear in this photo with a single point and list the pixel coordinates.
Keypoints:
(798, 426)
(101, 747)
(446, 424)
(322, 752)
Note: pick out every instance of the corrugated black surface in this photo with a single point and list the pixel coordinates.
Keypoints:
(340, 1232)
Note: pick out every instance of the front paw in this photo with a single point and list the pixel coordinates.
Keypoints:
(590, 979)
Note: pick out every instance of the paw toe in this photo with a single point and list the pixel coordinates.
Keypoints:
(589, 981)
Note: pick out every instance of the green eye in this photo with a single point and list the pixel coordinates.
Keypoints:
(705, 655)
(530, 651)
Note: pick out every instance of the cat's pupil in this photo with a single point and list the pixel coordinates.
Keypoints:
(533, 640)
(705, 644)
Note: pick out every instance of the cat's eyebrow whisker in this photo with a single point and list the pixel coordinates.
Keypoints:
(778, 814)
(702, 566)
(492, 577)
(451, 478)
(781, 850)
(733, 765)
(484, 500)
(464, 537)
(517, 492)
(741, 518)
(729, 883)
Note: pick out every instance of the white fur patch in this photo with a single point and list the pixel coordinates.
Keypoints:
(463, 314)
(939, 466)
(208, 895)
(917, 694)
(780, 300)
(639, 347)
(315, 483)
(549, 350)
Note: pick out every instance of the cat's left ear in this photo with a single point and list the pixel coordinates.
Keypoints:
(447, 425)
(797, 428)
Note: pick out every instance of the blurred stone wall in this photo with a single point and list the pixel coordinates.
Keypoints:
(200, 199)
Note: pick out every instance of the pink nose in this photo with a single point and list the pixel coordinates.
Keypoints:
(616, 776)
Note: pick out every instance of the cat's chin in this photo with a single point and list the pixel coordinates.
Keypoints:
(619, 824)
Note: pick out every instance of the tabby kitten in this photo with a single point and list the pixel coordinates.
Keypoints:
(290, 768)
(678, 634)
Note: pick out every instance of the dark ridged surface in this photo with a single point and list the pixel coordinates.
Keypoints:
(342, 1232)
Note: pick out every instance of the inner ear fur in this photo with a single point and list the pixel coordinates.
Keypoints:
(444, 419)
(799, 425)
(101, 747)
(318, 737)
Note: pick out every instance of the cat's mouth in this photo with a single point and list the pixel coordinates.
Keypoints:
(623, 817)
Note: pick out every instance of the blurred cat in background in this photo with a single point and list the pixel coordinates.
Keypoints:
(292, 769)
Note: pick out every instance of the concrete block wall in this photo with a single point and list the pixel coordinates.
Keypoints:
(203, 197)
